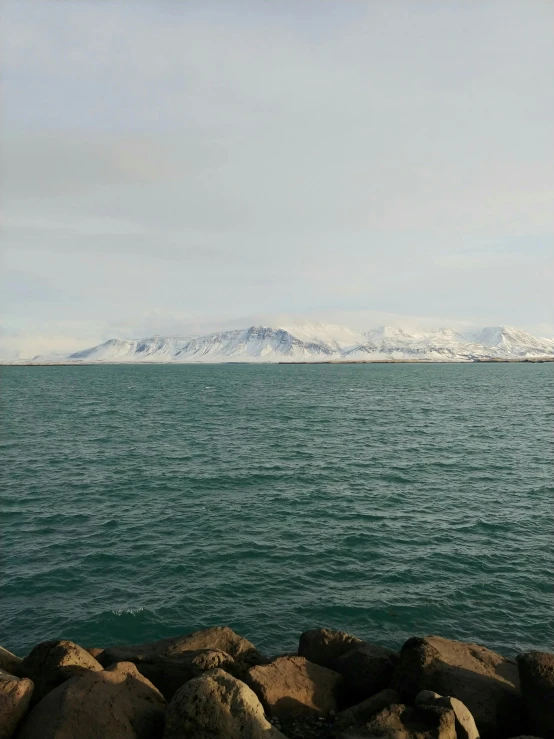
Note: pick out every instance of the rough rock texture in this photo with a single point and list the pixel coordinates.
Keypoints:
(403, 722)
(168, 673)
(324, 646)
(118, 703)
(219, 638)
(9, 662)
(536, 670)
(486, 682)
(362, 712)
(465, 723)
(217, 706)
(15, 696)
(52, 662)
(366, 670)
(293, 687)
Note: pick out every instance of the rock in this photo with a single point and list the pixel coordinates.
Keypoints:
(15, 696)
(485, 682)
(362, 712)
(168, 673)
(324, 646)
(218, 706)
(219, 638)
(95, 652)
(52, 662)
(536, 671)
(425, 697)
(366, 670)
(465, 723)
(403, 722)
(117, 702)
(293, 687)
(9, 662)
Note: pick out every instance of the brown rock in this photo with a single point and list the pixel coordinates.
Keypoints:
(95, 652)
(9, 662)
(366, 670)
(362, 712)
(118, 703)
(219, 638)
(403, 722)
(169, 673)
(217, 706)
(324, 646)
(52, 662)
(15, 696)
(292, 687)
(465, 723)
(486, 682)
(536, 670)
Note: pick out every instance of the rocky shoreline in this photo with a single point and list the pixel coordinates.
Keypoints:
(214, 684)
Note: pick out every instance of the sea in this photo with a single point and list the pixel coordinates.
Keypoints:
(386, 500)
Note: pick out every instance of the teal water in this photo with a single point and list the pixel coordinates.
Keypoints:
(385, 500)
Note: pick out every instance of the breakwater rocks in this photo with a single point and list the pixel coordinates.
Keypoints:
(214, 684)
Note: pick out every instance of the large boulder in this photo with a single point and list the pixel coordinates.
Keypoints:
(9, 662)
(216, 705)
(324, 646)
(366, 670)
(169, 672)
(486, 682)
(465, 723)
(293, 687)
(118, 703)
(53, 662)
(536, 670)
(404, 722)
(362, 712)
(220, 638)
(15, 696)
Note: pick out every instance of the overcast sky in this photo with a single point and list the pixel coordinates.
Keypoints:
(176, 167)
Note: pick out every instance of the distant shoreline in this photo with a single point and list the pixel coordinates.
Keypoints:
(532, 360)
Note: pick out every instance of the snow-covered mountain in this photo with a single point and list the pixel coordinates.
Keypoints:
(317, 342)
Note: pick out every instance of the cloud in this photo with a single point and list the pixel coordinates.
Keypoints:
(184, 160)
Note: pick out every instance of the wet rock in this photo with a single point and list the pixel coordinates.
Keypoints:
(484, 681)
(118, 703)
(536, 671)
(15, 697)
(293, 687)
(366, 670)
(9, 662)
(362, 712)
(324, 646)
(219, 706)
(53, 662)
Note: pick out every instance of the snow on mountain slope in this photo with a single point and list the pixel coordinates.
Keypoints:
(332, 335)
(513, 340)
(319, 342)
(257, 343)
(156, 349)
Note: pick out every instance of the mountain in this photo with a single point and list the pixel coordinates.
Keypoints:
(317, 342)
(514, 340)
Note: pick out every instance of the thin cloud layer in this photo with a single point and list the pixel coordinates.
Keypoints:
(188, 166)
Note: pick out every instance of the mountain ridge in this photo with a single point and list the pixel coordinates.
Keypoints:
(316, 343)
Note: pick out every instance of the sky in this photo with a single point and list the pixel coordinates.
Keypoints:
(181, 167)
